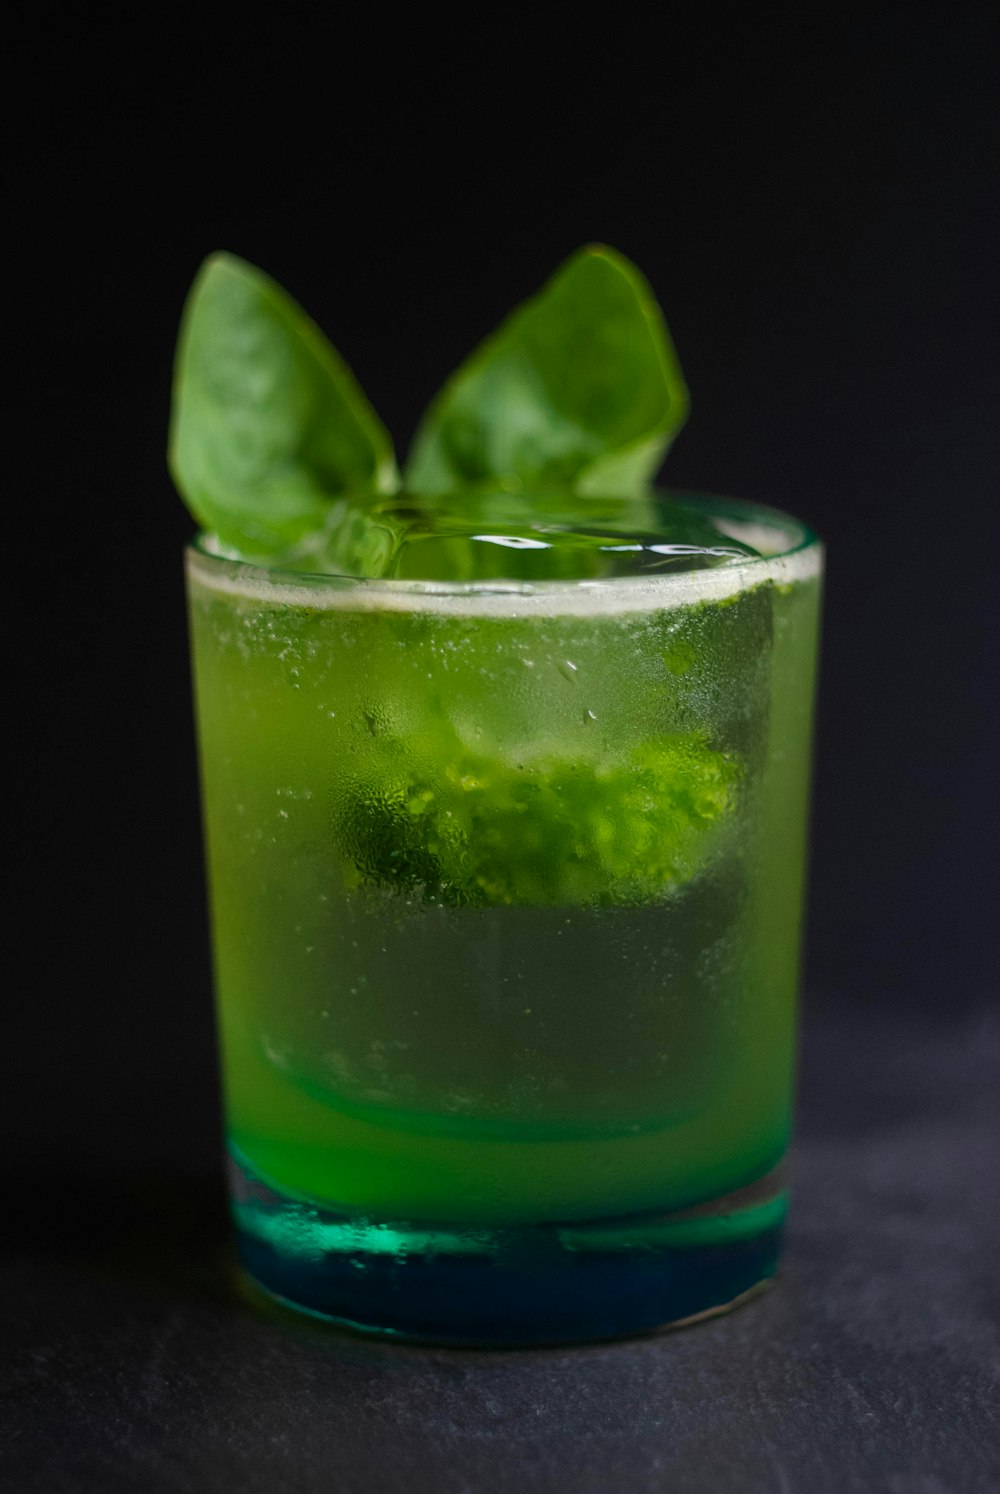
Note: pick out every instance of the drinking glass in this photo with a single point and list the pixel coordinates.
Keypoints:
(506, 888)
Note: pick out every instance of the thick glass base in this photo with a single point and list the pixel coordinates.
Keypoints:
(513, 1285)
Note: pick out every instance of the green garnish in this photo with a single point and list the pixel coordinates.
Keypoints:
(580, 388)
(276, 450)
(269, 426)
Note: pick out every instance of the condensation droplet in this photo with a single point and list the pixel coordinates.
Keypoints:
(567, 669)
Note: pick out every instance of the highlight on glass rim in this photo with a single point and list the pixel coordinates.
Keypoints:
(505, 766)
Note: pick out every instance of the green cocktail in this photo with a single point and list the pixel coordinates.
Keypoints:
(506, 850)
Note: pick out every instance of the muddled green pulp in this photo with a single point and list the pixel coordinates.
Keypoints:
(506, 907)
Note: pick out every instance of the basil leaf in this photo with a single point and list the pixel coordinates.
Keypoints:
(269, 426)
(580, 387)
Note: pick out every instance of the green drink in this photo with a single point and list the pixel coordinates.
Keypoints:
(506, 895)
(506, 838)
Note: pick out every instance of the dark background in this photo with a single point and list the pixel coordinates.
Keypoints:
(813, 197)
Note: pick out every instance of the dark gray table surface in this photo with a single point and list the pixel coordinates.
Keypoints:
(131, 1361)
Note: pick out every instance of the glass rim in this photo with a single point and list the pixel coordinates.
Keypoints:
(797, 555)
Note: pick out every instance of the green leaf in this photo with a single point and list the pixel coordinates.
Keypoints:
(269, 426)
(580, 387)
